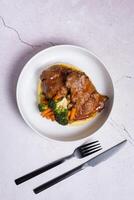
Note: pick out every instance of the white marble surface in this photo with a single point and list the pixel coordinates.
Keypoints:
(107, 29)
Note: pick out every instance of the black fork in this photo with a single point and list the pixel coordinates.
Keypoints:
(79, 152)
(86, 149)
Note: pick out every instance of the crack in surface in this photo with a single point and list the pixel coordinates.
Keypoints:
(20, 38)
(127, 133)
(17, 33)
(124, 77)
(122, 129)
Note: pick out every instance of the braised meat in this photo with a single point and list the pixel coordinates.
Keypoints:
(64, 81)
(86, 99)
(53, 81)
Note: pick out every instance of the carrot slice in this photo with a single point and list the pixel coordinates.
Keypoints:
(50, 116)
(69, 112)
(44, 113)
(50, 113)
(47, 111)
(53, 118)
(57, 97)
(72, 114)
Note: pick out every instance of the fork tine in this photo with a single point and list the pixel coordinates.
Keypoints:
(88, 144)
(89, 147)
(91, 152)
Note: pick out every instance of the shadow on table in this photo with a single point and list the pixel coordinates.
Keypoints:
(19, 64)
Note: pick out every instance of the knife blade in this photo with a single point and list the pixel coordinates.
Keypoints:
(106, 154)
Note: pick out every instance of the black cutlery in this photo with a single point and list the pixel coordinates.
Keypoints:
(92, 162)
(79, 152)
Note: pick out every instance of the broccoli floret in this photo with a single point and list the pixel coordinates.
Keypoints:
(60, 110)
(42, 107)
(52, 104)
(61, 116)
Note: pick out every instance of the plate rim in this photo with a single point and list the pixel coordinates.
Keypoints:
(19, 80)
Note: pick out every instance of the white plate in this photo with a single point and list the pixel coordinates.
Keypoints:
(27, 91)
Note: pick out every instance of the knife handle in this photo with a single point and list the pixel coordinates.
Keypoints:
(57, 179)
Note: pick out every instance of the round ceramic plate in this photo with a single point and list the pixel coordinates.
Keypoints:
(27, 91)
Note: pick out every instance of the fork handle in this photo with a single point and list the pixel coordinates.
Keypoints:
(41, 170)
(57, 179)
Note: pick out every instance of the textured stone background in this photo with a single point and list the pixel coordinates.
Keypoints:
(105, 27)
